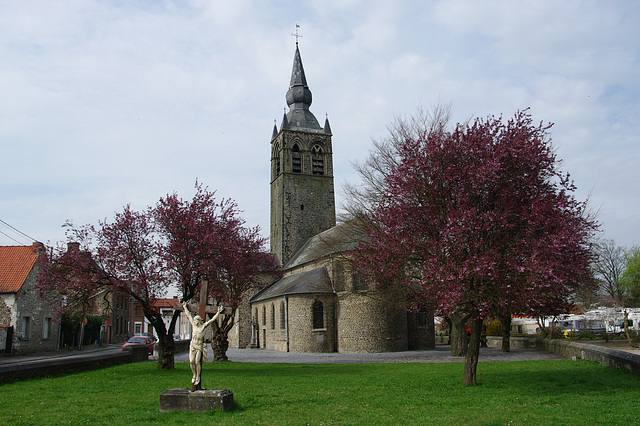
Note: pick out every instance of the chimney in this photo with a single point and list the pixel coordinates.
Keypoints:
(73, 247)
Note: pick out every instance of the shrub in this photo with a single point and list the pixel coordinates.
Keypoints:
(587, 335)
(555, 332)
(494, 328)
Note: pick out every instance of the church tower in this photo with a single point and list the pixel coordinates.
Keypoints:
(302, 194)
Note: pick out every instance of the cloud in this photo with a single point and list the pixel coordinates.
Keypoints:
(109, 103)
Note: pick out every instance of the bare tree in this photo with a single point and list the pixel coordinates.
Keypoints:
(383, 157)
(608, 266)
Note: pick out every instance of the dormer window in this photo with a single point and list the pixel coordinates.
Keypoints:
(296, 159)
(317, 160)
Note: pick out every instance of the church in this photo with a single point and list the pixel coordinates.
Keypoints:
(319, 304)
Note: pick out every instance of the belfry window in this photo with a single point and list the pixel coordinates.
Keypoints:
(296, 159)
(318, 315)
(317, 160)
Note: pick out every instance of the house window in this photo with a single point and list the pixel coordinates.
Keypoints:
(264, 316)
(318, 315)
(26, 328)
(282, 316)
(46, 328)
(273, 317)
(137, 328)
(317, 160)
(296, 159)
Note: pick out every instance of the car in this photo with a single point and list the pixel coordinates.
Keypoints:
(147, 335)
(140, 341)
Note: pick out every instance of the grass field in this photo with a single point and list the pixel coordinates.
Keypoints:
(561, 392)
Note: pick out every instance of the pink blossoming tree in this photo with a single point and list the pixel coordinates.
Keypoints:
(478, 222)
(142, 254)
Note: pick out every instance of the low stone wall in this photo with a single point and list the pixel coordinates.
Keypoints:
(68, 364)
(569, 349)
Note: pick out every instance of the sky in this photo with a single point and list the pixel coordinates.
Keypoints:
(110, 103)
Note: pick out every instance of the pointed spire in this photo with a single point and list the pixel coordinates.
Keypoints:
(275, 130)
(285, 122)
(298, 95)
(327, 128)
(299, 98)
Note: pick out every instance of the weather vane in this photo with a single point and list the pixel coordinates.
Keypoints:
(296, 35)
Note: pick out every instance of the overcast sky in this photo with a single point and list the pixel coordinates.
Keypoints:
(106, 103)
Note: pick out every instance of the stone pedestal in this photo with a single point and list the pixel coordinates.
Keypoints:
(181, 399)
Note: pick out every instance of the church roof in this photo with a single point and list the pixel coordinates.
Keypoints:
(313, 281)
(15, 264)
(340, 238)
(299, 99)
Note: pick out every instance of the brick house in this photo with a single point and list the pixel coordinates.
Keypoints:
(166, 308)
(319, 305)
(23, 317)
(114, 309)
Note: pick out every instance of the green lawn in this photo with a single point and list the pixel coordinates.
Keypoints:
(562, 392)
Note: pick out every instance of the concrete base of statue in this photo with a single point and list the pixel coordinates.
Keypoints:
(199, 401)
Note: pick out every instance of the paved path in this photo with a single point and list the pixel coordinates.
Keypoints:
(439, 354)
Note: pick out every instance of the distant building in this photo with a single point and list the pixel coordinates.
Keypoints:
(26, 324)
(114, 309)
(166, 309)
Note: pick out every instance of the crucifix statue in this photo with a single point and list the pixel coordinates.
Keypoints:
(197, 349)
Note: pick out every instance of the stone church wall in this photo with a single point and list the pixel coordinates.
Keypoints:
(240, 333)
(366, 324)
(302, 336)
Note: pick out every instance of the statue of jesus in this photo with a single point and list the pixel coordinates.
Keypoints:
(197, 349)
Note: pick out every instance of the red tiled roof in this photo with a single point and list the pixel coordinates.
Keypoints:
(165, 303)
(15, 264)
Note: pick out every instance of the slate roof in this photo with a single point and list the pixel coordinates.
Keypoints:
(15, 264)
(313, 281)
(340, 238)
(299, 100)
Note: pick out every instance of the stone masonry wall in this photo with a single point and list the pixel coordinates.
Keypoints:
(28, 304)
(302, 337)
(366, 324)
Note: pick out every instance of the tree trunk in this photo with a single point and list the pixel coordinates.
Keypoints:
(505, 321)
(166, 350)
(220, 340)
(458, 335)
(633, 342)
(473, 352)
(220, 344)
(448, 321)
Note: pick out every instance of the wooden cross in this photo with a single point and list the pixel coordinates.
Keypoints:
(202, 308)
(296, 35)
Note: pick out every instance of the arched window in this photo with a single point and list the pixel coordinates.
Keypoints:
(296, 159)
(273, 317)
(317, 160)
(318, 315)
(282, 316)
(275, 155)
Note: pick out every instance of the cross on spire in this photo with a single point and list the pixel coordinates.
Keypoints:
(296, 35)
